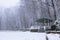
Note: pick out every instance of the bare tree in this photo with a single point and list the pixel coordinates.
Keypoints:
(54, 9)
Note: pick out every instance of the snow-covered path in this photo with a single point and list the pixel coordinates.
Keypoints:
(53, 36)
(22, 36)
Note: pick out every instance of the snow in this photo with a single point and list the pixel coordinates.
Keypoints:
(10, 35)
(19, 35)
(53, 36)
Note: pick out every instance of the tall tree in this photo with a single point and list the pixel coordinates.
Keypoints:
(54, 9)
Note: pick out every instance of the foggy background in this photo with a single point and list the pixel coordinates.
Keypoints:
(24, 15)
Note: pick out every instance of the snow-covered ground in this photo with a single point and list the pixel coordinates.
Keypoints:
(17, 35)
(53, 36)
(10, 35)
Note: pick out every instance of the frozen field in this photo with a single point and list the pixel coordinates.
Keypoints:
(22, 36)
